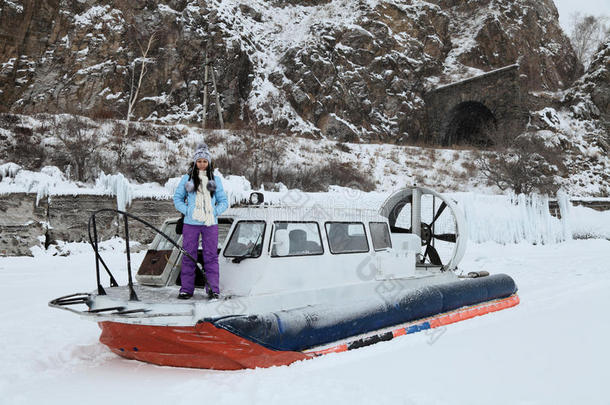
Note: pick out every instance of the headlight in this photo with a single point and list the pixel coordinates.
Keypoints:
(256, 198)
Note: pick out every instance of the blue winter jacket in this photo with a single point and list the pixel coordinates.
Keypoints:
(219, 201)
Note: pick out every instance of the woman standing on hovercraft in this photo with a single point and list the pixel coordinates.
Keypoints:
(205, 200)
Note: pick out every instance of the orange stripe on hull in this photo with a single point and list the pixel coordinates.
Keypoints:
(399, 332)
(199, 346)
(334, 349)
(443, 319)
(471, 312)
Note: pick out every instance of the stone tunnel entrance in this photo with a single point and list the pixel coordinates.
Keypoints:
(470, 123)
(472, 110)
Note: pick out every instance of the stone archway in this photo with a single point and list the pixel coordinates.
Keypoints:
(470, 123)
(470, 110)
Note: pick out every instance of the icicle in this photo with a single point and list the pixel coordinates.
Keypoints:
(42, 191)
(9, 169)
(123, 192)
(563, 200)
(117, 185)
(510, 219)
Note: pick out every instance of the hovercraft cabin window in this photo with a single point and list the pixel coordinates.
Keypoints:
(170, 230)
(303, 239)
(380, 235)
(346, 237)
(246, 239)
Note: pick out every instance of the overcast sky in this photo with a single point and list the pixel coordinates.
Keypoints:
(567, 7)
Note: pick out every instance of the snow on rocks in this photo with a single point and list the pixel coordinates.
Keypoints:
(237, 188)
(95, 14)
(9, 170)
(50, 180)
(587, 223)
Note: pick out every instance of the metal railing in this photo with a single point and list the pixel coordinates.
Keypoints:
(93, 240)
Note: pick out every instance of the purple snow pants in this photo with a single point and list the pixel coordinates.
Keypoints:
(190, 243)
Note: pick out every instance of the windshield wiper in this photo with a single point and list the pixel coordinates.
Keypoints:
(239, 259)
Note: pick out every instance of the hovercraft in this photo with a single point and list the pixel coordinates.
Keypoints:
(295, 283)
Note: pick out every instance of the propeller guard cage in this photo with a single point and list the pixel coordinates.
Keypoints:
(393, 206)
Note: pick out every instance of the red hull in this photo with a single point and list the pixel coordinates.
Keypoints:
(199, 346)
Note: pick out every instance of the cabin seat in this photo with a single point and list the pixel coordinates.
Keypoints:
(298, 241)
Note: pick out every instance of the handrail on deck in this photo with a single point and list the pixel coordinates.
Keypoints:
(93, 240)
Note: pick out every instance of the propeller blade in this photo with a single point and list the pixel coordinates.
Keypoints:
(434, 257)
(447, 237)
(439, 212)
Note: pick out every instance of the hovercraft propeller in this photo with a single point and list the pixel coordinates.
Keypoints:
(418, 200)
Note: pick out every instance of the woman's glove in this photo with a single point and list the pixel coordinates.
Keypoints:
(211, 186)
(189, 186)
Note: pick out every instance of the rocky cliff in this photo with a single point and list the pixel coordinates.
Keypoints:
(343, 69)
(589, 98)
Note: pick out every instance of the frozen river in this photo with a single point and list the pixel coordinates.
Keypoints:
(551, 349)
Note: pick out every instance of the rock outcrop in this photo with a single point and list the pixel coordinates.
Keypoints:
(27, 221)
(79, 57)
(342, 69)
(589, 98)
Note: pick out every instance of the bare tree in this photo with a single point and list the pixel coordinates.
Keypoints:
(524, 164)
(258, 156)
(25, 148)
(81, 145)
(118, 144)
(136, 84)
(588, 32)
(270, 152)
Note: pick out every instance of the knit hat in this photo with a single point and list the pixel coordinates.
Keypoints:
(202, 152)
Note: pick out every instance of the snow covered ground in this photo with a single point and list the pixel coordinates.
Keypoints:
(551, 349)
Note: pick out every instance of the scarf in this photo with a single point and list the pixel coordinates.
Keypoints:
(203, 202)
